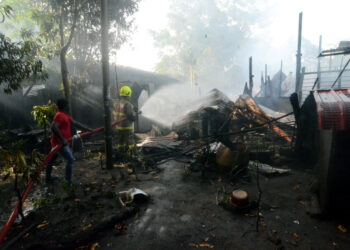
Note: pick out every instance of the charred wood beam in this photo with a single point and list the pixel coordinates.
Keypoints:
(294, 101)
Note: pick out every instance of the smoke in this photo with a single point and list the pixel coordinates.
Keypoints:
(171, 103)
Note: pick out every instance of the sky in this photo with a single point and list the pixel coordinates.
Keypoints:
(329, 18)
(139, 52)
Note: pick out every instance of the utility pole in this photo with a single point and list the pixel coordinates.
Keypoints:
(319, 64)
(106, 87)
(297, 73)
(250, 76)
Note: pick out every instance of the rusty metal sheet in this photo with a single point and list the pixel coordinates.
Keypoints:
(333, 109)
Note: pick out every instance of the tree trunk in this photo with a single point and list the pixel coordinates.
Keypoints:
(64, 73)
(63, 52)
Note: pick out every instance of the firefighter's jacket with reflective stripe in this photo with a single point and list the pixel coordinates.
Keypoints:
(124, 109)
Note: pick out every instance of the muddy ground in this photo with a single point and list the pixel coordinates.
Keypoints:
(182, 213)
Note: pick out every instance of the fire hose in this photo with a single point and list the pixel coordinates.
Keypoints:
(30, 184)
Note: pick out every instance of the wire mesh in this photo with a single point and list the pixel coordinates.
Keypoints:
(330, 67)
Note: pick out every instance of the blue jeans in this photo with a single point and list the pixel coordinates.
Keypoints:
(67, 154)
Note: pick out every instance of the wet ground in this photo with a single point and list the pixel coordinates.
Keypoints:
(182, 213)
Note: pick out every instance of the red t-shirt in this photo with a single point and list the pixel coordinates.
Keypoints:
(64, 121)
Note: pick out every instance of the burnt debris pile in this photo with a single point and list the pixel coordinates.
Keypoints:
(224, 135)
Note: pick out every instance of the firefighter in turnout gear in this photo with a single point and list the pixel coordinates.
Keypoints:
(124, 109)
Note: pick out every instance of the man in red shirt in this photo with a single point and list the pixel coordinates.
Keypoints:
(61, 132)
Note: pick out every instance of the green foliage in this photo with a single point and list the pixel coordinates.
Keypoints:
(89, 154)
(205, 160)
(87, 34)
(45, 202)
(72, 28)
(20, 18)
(18, 61)
(24, 168)
(87, 41)
(203, 39)
(3, 137)
(42, 48)
(48, 29)
(5, 11)
(69, 188)
(78, 83)
(15, 162)
(44, 114)
(206, 157)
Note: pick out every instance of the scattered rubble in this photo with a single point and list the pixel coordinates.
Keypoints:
(234, 159)
(229, 153)
(138, 196)
(267, 169)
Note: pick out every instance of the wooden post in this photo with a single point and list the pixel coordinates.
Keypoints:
(280, 85)
(106, 87)
(297, 73)
(300, 90)
(262, 85)
(319, 64)
(246, 89)
(265, 87)
(341, 67)
(270, 86)
(251, 76)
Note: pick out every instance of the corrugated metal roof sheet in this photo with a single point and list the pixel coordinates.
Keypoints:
(333, 109)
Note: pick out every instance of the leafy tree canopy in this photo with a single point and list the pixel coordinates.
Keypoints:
(18, 60)
(202, 38)
(209, 41)
(5, 11)
(87, 35)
